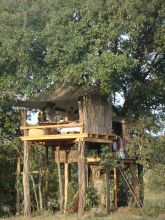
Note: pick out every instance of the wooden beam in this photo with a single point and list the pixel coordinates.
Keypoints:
(98, 140)
(51, 126)
(115, 187)
(53, 137)
(81, 178)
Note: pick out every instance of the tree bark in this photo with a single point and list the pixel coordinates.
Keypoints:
(81, 178)
(141, 183)
(135, 184)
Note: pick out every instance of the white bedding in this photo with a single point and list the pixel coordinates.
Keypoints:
(70, 130)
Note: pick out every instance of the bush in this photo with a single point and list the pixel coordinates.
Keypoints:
(92, 198)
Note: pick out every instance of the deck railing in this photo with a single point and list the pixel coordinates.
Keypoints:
(52, 131)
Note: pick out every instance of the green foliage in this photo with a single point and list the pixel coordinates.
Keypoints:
(108, 158)
(92, 199)
(152, 210)
(144, 144)
(156, 178)
(112, 45)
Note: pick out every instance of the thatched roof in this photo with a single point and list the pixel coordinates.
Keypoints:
(62, 95)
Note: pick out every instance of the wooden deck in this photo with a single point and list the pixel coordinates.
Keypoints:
(46, 135)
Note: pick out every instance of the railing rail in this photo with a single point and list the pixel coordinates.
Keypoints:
(51, 126)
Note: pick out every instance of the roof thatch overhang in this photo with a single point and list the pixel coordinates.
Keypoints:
(62, 96)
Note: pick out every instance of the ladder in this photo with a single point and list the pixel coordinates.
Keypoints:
(126, 179)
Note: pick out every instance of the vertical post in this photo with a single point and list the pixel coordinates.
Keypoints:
(115, 187)
(66, 182)
(60, 181)
(46, 176)
(18, 183)
(26, 188)
(81, 177)
(27, 207)
(107, 183)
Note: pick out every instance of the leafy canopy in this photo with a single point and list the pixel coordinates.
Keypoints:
(116, 46)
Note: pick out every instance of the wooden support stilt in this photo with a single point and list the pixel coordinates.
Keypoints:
(60, 181)
(27, 206)
(18, 183)
(46, 176)
(107, 191)
(81, 178)
(115, 188)
(66, 185)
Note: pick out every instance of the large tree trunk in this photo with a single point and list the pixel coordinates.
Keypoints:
(81, 178)
(135, 184)
(27, 207)
(141, 182)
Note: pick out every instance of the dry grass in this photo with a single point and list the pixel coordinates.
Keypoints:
(120, 214)
(153, 198)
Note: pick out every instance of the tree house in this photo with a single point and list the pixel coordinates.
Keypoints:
(90, 128)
